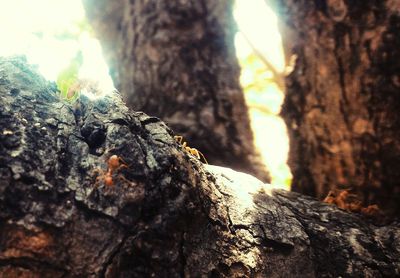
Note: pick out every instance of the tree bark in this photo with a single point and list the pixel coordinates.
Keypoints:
(164, 214)
(342, 103)
(176, 61)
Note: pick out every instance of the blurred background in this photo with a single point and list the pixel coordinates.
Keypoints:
(55, 35)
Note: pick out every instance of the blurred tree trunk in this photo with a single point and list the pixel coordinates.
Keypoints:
(343, 103)
(176, 60)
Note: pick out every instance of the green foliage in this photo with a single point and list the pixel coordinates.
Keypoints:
(68, 77)
(257, 74)
(75, 31)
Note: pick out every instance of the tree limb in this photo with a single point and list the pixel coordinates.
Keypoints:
(165, 213)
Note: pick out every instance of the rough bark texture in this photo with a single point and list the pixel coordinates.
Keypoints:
(176, 60)
(343, 102)
(165, 215)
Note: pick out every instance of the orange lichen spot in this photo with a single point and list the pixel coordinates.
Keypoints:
(20, 272)
(36, 242)
(19, 242)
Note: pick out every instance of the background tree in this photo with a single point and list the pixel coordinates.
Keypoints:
(342, 104)
(176, 60)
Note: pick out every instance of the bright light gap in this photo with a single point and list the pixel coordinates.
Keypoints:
(259, 39)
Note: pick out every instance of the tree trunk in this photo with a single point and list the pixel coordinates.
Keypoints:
(342, 104)
(176, 61)
(96, 190)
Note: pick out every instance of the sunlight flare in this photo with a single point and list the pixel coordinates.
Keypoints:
(260, 53)
(48, 32)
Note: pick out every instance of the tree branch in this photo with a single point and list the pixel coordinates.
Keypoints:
(165, 214)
